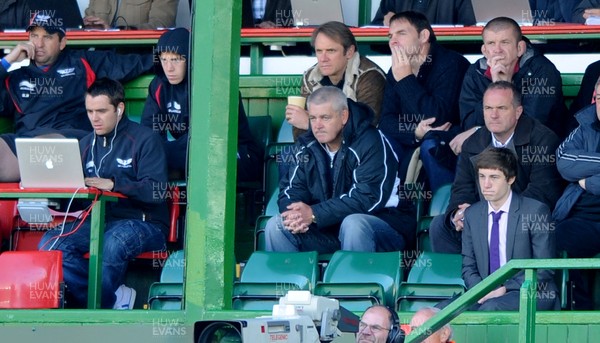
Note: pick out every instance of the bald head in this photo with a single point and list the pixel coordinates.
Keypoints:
(375, 325)
(443, 335)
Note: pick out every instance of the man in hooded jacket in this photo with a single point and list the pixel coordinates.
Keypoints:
(167, 109)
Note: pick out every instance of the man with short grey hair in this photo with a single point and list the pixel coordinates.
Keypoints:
(443, 335)
(342, 189)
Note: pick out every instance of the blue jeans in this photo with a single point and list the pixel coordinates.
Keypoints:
(358, 232)
(123, 240)
(437, 174)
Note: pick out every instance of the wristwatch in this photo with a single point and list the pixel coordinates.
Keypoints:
(314, 219)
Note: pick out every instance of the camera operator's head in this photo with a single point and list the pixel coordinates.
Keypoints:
(379, 324)
(443, 335)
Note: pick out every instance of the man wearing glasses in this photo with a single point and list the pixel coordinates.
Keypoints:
(379, 325)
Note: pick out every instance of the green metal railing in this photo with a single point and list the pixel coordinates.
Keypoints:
(527, 309)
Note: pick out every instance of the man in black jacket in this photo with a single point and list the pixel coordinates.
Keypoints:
(343, 186)
(46, 96)
(577, 212)
(420, 101)
(120, 156)
(505, 126)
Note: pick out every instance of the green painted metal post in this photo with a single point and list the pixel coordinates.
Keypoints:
(96, 240)
(364, 12)
(256, 59)
(527, 307)
(212, 157)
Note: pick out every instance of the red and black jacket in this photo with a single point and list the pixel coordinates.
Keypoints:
(53, 97)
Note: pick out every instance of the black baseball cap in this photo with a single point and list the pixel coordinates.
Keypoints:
(49, 20)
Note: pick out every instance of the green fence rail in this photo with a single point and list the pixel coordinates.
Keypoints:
(527, 309)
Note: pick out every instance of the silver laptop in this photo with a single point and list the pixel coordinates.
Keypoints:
(519, 10)
(49, 163)
(316, 12)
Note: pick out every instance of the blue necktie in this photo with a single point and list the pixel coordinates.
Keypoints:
(495, 242)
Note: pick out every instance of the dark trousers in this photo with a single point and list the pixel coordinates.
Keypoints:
(579, 238)
(547, 300)
(444, 239)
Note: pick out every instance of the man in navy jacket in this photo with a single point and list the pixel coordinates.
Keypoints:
(46, 97)
(120, 156)
(342, 190)
(420, 102)
(577, 212)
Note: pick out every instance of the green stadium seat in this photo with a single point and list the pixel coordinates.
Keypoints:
(423, 241)
(260, 127)
(361, 279)
(433, 277)
(267, 276)
(440, 200)
(439, 203)
(274, 150)
(259, 233)
(271, 209)
(251, 193)
(168, 293)
(165, 296)
(136, 92)
(437, 268)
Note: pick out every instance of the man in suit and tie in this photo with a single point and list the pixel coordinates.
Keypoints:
(506, 226)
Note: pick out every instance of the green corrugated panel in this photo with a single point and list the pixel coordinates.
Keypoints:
(258, 107)
(557, 333)
(507, 333)
(577, 334)
(593, 332)
(552, 333)
(476, 333)
(541, 334)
